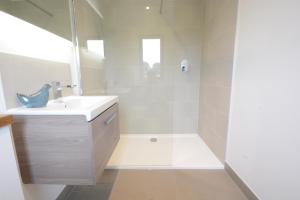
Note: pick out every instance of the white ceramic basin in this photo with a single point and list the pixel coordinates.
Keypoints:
(89, 106)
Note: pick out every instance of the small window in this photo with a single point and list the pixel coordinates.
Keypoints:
(96, 46)
(151, 52)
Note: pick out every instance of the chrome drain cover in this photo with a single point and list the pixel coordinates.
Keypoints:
(153, 139)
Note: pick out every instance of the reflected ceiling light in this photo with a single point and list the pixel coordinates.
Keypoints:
(147, 7)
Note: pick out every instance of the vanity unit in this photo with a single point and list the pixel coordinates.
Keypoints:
(68, 142)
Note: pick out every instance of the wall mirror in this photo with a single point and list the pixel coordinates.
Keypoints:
(51, 15)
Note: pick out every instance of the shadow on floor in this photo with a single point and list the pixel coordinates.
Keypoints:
(100, 191)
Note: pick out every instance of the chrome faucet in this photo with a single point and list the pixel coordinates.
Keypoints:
(57, 89)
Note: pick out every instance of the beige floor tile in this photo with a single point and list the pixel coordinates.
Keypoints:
(144, 185)
(159, 185)
(175, 185)
(206, 185)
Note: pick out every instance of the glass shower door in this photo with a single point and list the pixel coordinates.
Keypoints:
(136, 49)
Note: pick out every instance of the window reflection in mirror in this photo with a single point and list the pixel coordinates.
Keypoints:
(91, 41)
(96, 46)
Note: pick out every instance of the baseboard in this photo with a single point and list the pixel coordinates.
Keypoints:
(242, 185)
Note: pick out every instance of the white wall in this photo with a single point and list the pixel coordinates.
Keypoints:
(264, 139)
(10, 182)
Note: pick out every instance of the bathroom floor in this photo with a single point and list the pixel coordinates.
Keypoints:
(165, 151)
(158, 185)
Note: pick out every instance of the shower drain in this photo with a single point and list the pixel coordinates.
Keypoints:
(153, 139)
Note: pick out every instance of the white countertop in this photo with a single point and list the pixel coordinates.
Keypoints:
(89, 106)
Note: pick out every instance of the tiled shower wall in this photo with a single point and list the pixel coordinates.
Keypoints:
(216, 72)
(164, 100)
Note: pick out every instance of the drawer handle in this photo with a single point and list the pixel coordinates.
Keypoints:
(107, 122)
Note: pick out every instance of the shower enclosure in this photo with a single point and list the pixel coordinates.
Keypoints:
(134, 49)
(148, 53)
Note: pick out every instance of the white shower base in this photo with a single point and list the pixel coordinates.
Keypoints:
(170, 151)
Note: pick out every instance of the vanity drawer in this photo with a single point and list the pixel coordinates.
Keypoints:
(105, 123)
(105, 130)
(65, 150)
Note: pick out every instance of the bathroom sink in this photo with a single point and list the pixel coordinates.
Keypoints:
(68, 142)
(89, 106)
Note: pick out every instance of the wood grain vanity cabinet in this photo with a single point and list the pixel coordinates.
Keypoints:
(65, 149)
